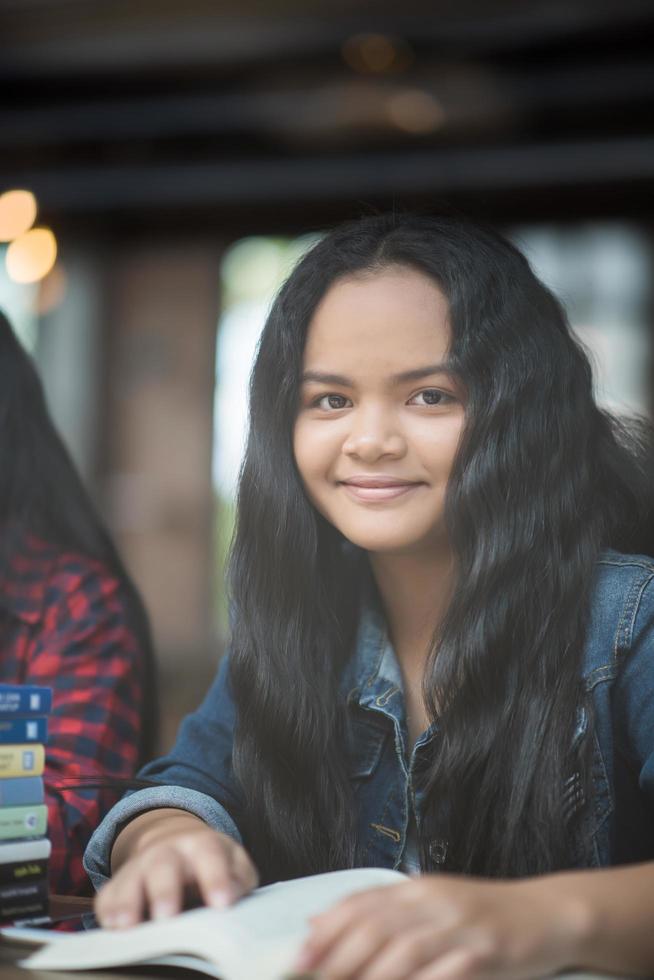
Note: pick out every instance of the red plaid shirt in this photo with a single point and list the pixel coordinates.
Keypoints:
(64, 624)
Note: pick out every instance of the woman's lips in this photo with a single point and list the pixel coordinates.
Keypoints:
(371, 491)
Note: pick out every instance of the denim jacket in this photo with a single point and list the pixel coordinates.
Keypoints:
(618, 670)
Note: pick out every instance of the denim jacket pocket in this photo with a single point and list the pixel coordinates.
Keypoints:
(591, 845)
(365, 738)
(602, 805)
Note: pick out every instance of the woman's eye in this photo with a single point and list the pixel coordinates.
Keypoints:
(432, 396)
(332, 402)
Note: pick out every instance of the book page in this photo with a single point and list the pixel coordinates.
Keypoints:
(257, 938)
(100, 948)
(284, 908)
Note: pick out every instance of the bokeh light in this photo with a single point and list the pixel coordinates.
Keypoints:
(31, 256)
(17, 213)
(376, 54)
(415, 111)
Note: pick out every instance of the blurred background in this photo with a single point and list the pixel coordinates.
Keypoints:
(173, 159)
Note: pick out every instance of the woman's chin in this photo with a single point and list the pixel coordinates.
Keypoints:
(389, 544)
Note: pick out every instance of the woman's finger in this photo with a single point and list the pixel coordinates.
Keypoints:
(120, 902)
(220, 875)
(244, 869)
(164, 883)
(328, 928)
(459, 963)
(350, 954)
(409, 950)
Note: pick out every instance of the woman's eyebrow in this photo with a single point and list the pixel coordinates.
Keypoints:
(323, 377)
(415, 374)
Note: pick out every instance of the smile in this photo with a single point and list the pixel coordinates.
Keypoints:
(377, 490)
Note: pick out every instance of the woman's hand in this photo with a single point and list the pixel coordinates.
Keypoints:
(167, 857)
(442, 927)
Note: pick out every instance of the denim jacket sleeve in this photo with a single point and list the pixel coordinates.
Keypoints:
(196, 776)
(633, 692)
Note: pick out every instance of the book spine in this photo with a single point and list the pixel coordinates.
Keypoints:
(23, 821)
(14, 852)
(19, 901)
(21, 791)
(22, 872)
(21, 760)
(25, 699)
(16, 730)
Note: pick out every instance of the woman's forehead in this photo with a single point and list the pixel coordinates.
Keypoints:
(397, 309)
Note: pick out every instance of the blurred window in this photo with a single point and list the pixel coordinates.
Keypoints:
(601, 274)
(252, 271)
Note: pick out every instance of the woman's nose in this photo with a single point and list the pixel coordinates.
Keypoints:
(373, 436)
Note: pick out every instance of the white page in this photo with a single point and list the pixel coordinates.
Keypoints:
(284, 908)
(259, 937)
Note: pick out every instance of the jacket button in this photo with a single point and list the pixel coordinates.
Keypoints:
(438, 852)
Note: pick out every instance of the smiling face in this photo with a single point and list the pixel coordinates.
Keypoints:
(380, 417)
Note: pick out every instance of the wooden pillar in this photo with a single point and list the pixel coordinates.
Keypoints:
(159, 388)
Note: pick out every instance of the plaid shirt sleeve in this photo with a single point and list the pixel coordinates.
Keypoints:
(84, 648)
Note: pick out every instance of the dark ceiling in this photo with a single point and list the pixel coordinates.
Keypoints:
(140, 111)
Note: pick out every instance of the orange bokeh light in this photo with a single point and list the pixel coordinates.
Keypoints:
(30, 257)
(17, 213)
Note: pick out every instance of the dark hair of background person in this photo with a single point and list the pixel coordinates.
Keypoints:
(543, 481)
(41, 494)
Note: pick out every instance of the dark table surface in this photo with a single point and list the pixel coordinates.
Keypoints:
(11, 952)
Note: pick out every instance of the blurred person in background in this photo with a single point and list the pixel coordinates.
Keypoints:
(70, 619)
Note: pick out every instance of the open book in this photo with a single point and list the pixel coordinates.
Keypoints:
(257, 939)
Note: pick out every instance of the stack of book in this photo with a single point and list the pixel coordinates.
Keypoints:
(24, 847)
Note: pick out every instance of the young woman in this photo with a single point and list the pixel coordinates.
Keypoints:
(70, 619)
(439, 660)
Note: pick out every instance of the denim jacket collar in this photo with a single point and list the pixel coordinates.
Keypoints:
(372, 677)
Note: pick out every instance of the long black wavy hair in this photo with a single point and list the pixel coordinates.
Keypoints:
(42, 496)
(542, 482)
